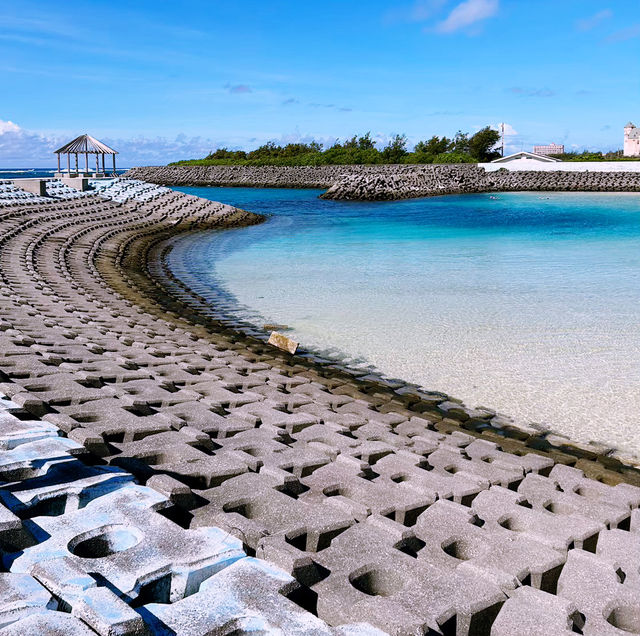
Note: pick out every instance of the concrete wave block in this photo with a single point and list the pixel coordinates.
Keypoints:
(531, 612)
(509, 511)
(49, 623)
(14, 431)
(121, 538)
(65, 487)
(248, 597)
(600, 592)
(20, 596)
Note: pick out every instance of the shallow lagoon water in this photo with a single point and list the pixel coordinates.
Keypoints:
(528, 303)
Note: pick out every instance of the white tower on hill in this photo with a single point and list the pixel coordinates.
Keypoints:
(631, 140)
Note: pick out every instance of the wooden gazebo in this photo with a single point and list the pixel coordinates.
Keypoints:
(86, 145)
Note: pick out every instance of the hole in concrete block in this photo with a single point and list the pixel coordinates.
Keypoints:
(325, 539)
(51, 507)
(158, 591)
(513, 524)
(411, 516)
(244, 509)
(514, 485)
(410, 546)
(310, 574)
(305, 598)
(577, 622)
(452, 470)
(525, 504)
(476, 521)
(482, 621)
(558, 508)
(462, 549)
(549, 582)
(467, 500)
(590, 543)
(625, 524)
(376, 582)
(178, 515)
(399, 478)
(140, 410)
(104, 541)
(368, 474)
(621, 575)
(425, 465)
(293, 489)
(626, 618)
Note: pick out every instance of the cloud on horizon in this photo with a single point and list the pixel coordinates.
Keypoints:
(468, 13)
(25, 148)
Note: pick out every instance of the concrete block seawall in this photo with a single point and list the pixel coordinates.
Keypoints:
(434, 180)
(251, 176)
(164, 472)
(388, 182)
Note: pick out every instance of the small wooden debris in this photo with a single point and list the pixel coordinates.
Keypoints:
(282, 342)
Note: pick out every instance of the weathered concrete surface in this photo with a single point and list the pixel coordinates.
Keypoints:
(369, 504)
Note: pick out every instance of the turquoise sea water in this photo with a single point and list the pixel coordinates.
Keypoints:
(528, 303)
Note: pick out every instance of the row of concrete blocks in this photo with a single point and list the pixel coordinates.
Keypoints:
(109, 531)
(88, 551)
(287, 454)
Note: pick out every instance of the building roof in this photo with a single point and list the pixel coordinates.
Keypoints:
(86, 144)
(526, 155)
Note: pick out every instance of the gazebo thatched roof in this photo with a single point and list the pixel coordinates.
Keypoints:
(86, 144)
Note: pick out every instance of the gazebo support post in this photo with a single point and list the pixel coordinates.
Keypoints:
(77, 168)
(58, 155)
(86, 162)
(97, 166)
(114, 165)
(68, 164)
(103, 170)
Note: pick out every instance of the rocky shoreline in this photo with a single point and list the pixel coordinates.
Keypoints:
(390, 182)
(150, 449)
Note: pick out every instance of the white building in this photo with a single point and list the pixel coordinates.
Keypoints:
(631, 140)
(550, 149)
(524, 160)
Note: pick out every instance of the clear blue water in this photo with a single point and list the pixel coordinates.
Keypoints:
(528, 303)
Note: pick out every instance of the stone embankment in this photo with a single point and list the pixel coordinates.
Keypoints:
(389, 182)
(422, 181)
(250, 176)
(163, 473)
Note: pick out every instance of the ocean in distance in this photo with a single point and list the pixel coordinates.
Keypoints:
(528, 303)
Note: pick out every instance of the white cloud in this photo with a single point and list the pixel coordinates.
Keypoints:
(509, 130)
(468, 13)
(586, 24)
(8, 126)
(419, 11)
(20, 148)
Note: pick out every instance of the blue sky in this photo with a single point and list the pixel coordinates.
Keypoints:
(166, 80)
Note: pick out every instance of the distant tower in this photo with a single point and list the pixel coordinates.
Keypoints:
(631, 140)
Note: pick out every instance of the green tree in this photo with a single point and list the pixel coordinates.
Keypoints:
(396, 149)
(481, 145)
(435, 146)
(460, 143)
